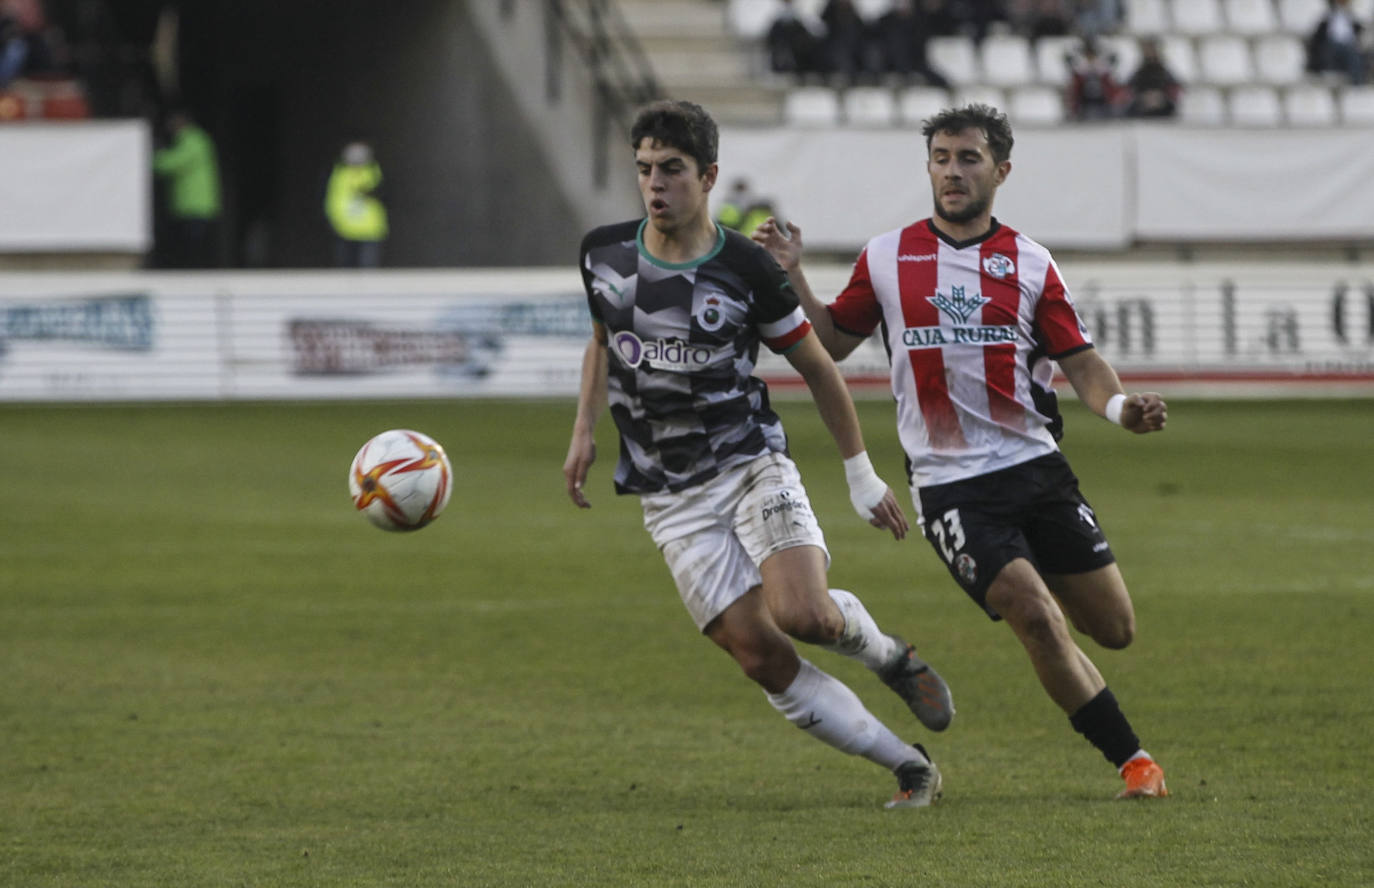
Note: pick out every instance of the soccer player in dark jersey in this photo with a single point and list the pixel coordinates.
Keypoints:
(679, 307)
(973, 313)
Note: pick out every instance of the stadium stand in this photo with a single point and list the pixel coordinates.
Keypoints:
(1240, 62)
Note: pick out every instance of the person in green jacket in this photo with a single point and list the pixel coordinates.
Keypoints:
(354, 211)
(189, 166)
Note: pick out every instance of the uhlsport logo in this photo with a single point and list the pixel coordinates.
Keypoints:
(999, 266)
(661, 354)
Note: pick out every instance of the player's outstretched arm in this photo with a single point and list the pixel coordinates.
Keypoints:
(1098, 387)
(870, 496)
(591, 400)
(787, 248)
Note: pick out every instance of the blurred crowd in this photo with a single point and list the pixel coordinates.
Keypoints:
(841, 47)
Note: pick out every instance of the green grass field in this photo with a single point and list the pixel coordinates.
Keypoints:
(216, 674)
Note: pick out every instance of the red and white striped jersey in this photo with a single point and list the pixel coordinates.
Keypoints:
(969, 328)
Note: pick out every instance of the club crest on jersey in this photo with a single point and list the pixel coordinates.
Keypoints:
(711, 312)
(999, 266)
(957, 305)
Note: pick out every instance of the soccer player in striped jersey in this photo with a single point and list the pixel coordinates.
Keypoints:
(972, 314)
(679, 308)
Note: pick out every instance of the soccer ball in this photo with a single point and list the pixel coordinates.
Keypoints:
(400, 480)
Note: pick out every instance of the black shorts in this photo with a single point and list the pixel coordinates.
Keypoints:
(1032, 510)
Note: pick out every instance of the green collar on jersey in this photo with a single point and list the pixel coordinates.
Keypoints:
(678, 266)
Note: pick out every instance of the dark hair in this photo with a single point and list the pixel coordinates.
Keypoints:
(992, 122)
(682, 125)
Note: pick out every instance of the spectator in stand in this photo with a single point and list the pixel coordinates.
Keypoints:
(1093, 92)
(1094, 18)
(1335, 45)
(793, 43)
(975, 17)
(1041, 18)
(902, 32)
(354, 210)
(846, 45)
(1153, 88)
(939, 18)
(24, 45)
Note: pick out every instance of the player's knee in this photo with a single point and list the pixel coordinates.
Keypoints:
(813, 623)
(1031, 615)
(1115, 634)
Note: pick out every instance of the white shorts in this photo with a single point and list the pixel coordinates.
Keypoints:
(714, 536)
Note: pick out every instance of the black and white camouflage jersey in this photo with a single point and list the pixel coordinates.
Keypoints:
(683, 341)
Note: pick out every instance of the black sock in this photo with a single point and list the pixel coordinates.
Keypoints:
(1101, 721)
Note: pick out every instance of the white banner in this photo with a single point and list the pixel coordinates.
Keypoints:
(844, 186)
(76, 186)
(162, 336)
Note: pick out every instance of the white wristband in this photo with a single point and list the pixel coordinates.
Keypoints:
(866, 489)
(1113, 409)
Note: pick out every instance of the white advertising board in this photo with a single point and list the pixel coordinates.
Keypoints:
(331, 335)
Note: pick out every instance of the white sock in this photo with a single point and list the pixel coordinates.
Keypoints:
(861, 639)
(1139, 754)
(828, 710)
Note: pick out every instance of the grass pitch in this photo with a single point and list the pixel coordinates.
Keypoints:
(216, 674)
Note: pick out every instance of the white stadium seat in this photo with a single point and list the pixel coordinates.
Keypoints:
(1300, 16)
(917, 103)
(1363, 9)
(1007, 60)
(1280, 59)
(1357, 105)
(1051, 61)
(1147, 17)
(1225, 60)
(1202, 104)
(750, 19)
(1251, 17)
(811, 106)
(1036, 105)
(980, 94)
(869, 106)
(1126, 50)
(1254, 106)
(955, 57)
(1197, 17)
(1179, 57)
(1309, 104)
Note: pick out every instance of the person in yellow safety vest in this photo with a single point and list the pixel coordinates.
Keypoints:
(190, 167)
(742, 210)
(357, 216)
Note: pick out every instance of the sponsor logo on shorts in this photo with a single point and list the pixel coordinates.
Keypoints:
(785, 507)
(967, 568)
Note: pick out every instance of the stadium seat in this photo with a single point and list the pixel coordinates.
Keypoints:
(1036, 105)
(1309, 104)
(1197, 17)
(869, 106)
(1202, 104)
(1147, 17)
(1126, 50)
(1007, 60)
(1300, 16)
(980, 94)
(955, 57)
(750, 19)
(1280, 59)
(1179, 57)
(1357, 105)
(1254, 106)
(1225, 60)
(811, 106)
(1363, 9)
(1251, 17)
(1051, 58)
(916, 103)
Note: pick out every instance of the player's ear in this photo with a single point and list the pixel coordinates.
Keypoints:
(1003, 170)
(708, 176)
